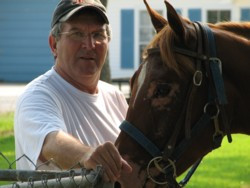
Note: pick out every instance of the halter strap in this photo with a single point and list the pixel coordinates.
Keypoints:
(215, 65)
(138, 136)
(216, 72)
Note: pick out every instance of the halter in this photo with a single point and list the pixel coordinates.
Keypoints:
(213, 108)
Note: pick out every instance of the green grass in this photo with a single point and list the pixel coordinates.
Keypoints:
(226, 167)
(7, 146)
(6, 123)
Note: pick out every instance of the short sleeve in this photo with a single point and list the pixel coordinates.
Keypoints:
(37, 114)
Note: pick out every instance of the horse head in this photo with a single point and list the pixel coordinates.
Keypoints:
(176, 111)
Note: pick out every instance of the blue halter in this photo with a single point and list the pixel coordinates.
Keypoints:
(140, 138)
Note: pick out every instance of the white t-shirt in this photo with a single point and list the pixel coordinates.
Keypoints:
(49, 103)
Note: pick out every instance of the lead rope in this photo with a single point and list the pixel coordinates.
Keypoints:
(183, 182)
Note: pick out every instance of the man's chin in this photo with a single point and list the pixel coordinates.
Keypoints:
(88, 72)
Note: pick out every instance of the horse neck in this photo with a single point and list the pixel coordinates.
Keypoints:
(234, 54)
(241, 29)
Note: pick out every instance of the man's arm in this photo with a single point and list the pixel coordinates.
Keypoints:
(67, 151)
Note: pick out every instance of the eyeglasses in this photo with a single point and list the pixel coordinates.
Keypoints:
(97, 37)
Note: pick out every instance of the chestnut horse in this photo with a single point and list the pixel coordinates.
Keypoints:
(191, 90)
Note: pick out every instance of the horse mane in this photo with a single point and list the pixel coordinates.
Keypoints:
(239, 28)
(164, 40)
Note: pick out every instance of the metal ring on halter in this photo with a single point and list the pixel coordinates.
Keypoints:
(215, 114)
(197, 78)
(156, 160)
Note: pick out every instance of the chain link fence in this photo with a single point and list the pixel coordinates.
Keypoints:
(76, 176)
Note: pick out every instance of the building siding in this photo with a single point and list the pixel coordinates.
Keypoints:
(24, 30)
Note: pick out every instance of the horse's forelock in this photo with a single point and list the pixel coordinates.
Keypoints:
(166, 45)
(164, 40)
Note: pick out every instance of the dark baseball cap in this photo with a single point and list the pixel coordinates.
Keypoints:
(67, 8)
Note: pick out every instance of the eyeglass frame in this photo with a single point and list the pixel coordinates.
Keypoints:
(58, 28)
(79, 36)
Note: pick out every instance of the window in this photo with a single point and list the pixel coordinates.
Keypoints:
(194, 14)
(127, 39)
(214, 16)
(245, 14)
(146, 31)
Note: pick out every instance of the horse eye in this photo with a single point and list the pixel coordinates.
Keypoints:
(162, 90)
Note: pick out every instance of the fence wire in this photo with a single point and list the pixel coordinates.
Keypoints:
(73, 177)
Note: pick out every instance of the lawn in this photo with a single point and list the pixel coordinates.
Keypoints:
(7, 147)
(226, 167)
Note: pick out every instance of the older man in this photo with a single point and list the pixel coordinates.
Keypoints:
(68, 114)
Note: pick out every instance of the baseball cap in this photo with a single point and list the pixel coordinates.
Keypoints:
(67, 8)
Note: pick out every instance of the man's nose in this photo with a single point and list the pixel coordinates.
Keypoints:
(88, 42)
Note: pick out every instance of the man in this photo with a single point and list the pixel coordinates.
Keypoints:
(68, 114)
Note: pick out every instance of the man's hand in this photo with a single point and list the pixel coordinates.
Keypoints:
(58, 144)
(108, 156)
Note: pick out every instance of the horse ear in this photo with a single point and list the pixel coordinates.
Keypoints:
(175, 22)
(157, 20)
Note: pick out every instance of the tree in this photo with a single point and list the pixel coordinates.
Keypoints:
(105, 74)
(105, 2)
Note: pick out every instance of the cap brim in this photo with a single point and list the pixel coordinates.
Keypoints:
(72, 12)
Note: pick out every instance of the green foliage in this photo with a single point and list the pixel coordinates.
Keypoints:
(105, 73)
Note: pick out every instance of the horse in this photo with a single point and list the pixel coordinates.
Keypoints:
(190, 92)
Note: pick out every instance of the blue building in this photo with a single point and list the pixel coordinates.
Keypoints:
(24, 31)
(25, 26)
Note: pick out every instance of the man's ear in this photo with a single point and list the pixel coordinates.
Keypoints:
(53, 45)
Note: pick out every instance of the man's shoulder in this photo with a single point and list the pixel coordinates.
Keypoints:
(39, 83)
(42, 85)
(41, 92)
(107, 86)
(111, 91)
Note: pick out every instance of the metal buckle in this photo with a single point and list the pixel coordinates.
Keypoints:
(215, 113)
(156, 161)
(217, 60)
(197, 78)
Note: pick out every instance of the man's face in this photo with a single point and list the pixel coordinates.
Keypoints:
(81, 49)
